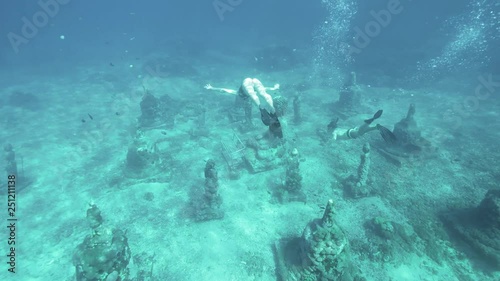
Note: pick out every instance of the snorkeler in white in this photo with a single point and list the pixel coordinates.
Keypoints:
(254, 89)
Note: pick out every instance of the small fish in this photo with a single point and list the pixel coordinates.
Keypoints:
(111, 64)
(117, 113)
(90, 116)
(375, 116)
(83, 120)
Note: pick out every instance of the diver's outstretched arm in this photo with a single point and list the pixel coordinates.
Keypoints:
(273, 88)
(222, 90)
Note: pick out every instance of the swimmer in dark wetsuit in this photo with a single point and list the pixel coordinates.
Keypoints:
(353, 133)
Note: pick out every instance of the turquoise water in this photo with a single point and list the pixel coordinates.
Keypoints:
(250, 140)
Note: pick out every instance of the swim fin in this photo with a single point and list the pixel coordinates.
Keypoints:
(266, 117)
(386, 134)
(375, 116)
(275, 129)
(332, 125)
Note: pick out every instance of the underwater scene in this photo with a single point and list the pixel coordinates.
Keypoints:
(227, 140)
